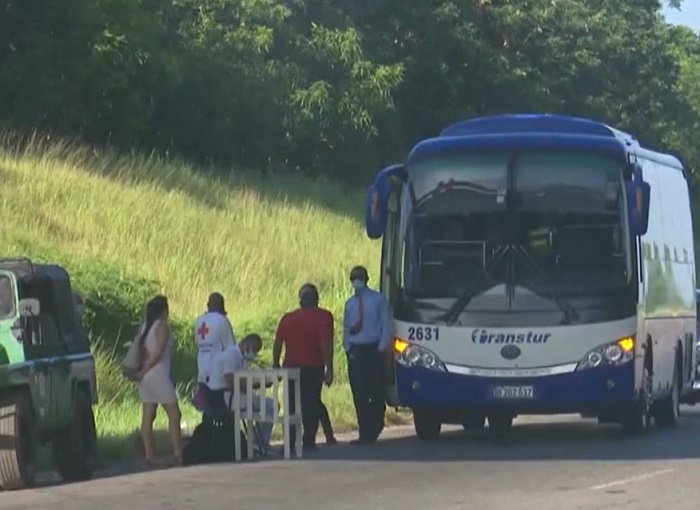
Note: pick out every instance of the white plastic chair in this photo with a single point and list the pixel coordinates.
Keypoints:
(260, 379)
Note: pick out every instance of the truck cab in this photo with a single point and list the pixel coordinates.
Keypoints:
(47, 375)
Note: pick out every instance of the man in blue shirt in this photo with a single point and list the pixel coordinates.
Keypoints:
(367, 331)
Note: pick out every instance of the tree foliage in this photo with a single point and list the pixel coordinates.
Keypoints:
(338, 88)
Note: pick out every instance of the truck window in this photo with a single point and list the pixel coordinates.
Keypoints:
(7, 301)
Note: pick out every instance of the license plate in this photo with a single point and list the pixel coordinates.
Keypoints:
(513, 392)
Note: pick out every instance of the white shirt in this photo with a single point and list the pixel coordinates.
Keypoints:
(212, 334)
(228, 361)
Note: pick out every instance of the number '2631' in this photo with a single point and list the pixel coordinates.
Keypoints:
(423, 333)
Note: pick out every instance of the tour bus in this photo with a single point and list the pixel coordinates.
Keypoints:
(536, 264)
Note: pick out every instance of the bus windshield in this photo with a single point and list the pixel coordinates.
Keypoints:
(533, 239)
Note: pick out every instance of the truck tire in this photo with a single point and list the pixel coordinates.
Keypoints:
(75, 447)
(17, 442)
(667, 411)
(639, 418)
(427, 424)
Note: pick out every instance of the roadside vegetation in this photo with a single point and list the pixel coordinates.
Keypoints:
(128, 227)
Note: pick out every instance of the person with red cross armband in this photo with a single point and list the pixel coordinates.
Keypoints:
(212, 334)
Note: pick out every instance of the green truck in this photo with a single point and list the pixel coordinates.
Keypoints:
(48, 384)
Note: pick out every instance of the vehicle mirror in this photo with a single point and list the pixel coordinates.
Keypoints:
(638, 199)
(377, 200)
(29, 307)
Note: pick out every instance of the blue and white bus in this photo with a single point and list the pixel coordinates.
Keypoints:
(537, 264)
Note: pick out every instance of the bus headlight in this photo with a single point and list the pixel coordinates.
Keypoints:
(612, 354)
(411, 355)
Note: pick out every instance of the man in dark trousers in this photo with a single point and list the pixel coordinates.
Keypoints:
(310, 292)
(367, 331)
(305, 336)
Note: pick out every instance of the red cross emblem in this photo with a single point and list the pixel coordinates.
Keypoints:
(203, 330)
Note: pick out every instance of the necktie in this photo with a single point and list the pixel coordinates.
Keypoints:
(361, 312)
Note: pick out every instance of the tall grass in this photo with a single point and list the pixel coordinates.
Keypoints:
(128, 226)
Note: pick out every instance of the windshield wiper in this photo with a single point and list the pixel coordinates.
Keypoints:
(473, 290)
(445, 186)
(570, 313)
(450, 317)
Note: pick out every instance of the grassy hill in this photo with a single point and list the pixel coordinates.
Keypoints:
(127, 227)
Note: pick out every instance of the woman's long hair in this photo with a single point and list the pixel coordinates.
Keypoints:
(155, 309)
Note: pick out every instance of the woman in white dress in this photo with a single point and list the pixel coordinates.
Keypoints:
(155, 385)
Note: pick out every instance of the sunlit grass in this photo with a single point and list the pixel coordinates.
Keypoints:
(118, 221)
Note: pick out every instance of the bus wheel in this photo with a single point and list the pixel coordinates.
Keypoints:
(427, 424)
(667, 411)
(500, 424)
(638, 420)
(474, 423)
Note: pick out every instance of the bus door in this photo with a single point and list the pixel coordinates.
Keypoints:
(391, 269)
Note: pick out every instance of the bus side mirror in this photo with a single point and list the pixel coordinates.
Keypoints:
(375, 212)
(378, 198)
(638, 199)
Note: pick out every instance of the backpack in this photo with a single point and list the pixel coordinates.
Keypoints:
(213, 439)
(212, 442)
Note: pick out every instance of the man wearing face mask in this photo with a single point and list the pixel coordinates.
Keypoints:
(234, 359)
(305, 334)
(367, 331)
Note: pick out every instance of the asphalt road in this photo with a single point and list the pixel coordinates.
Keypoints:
(550, 463)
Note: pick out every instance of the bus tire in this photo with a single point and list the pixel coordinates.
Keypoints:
(427, 424)
(667, 411)
(638, 420)
(474, 423)
(18, 449)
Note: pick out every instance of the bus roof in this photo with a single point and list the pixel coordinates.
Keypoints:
(533, 123)
(501, 131)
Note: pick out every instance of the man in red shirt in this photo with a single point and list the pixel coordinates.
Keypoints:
(305, 334)
(323, 415)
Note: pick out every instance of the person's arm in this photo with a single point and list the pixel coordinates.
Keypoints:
(277, 345)
(276, 352)
(324, 332)
(346, 326)
(227, 337)
(386, 323)
(228, 377)
(161, 334)
(232, 363)
(331, 341)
